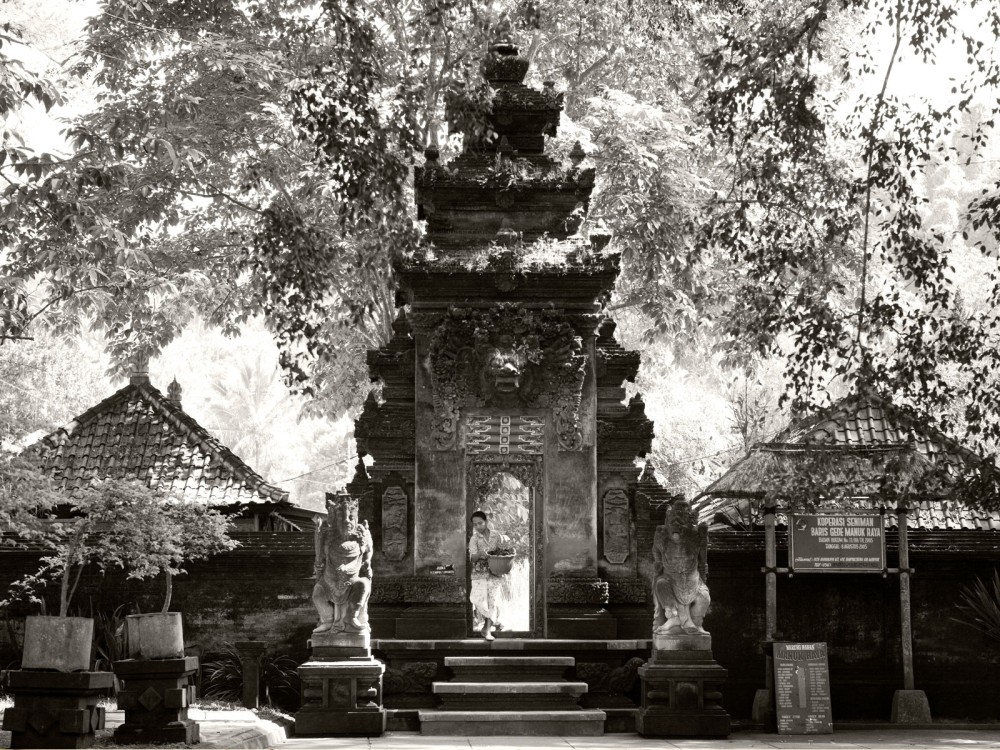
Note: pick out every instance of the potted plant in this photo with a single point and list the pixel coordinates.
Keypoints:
(154, 534)
(55, 694)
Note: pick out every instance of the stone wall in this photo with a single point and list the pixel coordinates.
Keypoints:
(262, 591)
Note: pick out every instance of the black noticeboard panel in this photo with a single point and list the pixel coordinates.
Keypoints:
(836, 543)
(802, 688)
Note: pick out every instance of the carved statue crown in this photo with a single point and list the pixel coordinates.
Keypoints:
(679, 516)
(336, 501)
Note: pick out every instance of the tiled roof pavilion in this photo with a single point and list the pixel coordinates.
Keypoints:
(859, 427)
(138, 433)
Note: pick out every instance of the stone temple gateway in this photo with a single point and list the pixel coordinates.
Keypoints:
(503, 390)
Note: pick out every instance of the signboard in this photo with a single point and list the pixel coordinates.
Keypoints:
(836, 543)
(802, 688)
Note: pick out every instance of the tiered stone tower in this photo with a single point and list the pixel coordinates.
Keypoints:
(506, 362)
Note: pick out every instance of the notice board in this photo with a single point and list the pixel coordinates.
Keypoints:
(836, 543)
(802, 688)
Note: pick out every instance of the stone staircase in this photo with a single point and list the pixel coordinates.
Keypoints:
(510, 695)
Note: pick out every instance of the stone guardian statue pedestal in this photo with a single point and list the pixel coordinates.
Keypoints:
(681, 683)
(342, 682)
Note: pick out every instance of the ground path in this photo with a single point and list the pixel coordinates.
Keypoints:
(889, 739)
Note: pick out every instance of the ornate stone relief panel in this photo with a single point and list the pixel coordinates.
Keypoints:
(504, 434)
(617, 533)
(506, 357)
(394, 522)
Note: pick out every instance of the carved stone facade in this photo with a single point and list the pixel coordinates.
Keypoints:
(503, 358)
(508, 356)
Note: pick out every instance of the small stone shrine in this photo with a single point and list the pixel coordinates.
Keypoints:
(342, 682)
(681, 684)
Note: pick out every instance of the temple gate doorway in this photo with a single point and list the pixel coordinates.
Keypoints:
(509, 493)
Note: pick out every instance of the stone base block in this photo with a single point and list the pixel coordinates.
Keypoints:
(511, 696)
(910, 707)
(699, 642)
(682, 698)
(763, 712)
(341, 697)
(340, 723)
(55, 709)
(652, 723)
(186, 731)
(155, 696)
(518, 723)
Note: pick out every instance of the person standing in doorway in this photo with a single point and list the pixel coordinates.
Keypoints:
(485, 586)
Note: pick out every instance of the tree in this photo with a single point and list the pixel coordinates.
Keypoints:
(115, 524)
(253, 157)
(767, 182)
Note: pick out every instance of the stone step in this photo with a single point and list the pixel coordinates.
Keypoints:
(512, 696)
(509, 668)
(577, 723)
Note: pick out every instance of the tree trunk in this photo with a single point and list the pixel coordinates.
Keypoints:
(170, 591)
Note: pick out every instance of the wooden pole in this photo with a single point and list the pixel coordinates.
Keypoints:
(906, 624)
(771, 576)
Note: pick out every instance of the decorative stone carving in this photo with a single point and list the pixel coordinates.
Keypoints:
(412, 677)
(628, 590)
(605, 678)
(343, 568)
(423, 590)
(506, 356)
(680, 567)
(576, 591)
(394, 520)
(504, 434)
(617, 535)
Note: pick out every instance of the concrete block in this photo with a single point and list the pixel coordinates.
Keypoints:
(59, 643)
(158, 635)
(910, 707)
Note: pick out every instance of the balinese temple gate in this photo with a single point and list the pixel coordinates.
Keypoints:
(503, 390)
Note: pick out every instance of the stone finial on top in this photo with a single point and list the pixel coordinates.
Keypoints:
(140, 368)
(504, 64)
(174, 391)
(577, 155)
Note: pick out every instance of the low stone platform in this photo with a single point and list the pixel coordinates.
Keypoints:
(609, 669)
(509, 668)
(488, 698)
(514, 696)
(550, 646)
(516, 723)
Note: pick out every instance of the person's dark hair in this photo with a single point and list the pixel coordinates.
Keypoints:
(478, 514)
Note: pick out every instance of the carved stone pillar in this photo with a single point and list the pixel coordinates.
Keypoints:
(155, 696)
(682, 689)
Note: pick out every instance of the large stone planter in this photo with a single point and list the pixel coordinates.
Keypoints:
(159, 635)
(55, 709)
(59, 643)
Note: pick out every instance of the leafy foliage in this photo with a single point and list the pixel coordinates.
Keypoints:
(126, 525)
(979, 604)
(222, 678)
(771, 186)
